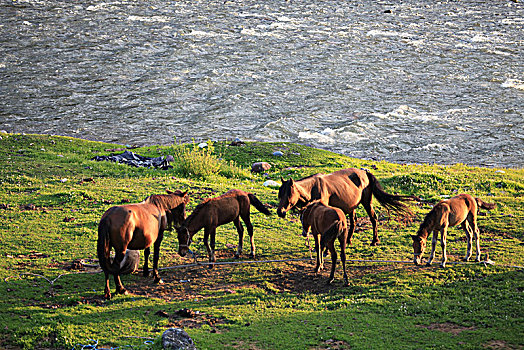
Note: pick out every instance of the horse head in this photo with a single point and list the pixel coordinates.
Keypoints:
(176, 211)
(288, 196)
(419, 246)
(184, 240)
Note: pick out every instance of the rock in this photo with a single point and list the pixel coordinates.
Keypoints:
(130, 262)
(177, 339)
(202, 145)
(170, 158)
(278, 154)
(271, 183)
(259, 167)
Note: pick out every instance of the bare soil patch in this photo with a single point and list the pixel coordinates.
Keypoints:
(448, 327)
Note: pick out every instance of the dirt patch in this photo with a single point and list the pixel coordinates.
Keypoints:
(501, 344)
(198, 282)
(447, 327)
(333, 345)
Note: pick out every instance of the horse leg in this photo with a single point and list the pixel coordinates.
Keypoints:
(107, 291)
(156, 257)
(443, 236)
(433, 247)
(351, 231)
(145, 270)
(119, 257)
(210, 232)
(240, 231)
(332, 250)
(476, 235)
(343, 240)
(469, 236)
(249, 227)
(373, 218)
(120, 289)
(320, 258)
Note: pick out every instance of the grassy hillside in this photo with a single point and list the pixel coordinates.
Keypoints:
(52, 196)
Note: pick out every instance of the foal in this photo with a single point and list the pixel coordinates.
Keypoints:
(326, 224)
(461, 209)
(213, 212)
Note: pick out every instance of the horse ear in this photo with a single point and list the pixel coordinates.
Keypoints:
(169, 192)
(282, 179)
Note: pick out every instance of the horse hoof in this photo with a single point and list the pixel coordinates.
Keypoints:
(374, 243)
(442, 265)
(108, 296)
(330, 281)
(158, 281)
(428, 264)
(122, 291)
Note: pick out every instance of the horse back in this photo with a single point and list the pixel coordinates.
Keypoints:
(457, 209)
(135, 225)
(344, 188)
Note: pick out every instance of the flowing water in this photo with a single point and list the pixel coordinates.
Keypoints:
(411, 81)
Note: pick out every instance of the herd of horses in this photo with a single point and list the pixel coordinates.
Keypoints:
(324, 201)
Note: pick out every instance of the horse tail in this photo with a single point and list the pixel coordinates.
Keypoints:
(104, 247)
(391, 202)
(331, 233)
(484, 205)
(258, 204)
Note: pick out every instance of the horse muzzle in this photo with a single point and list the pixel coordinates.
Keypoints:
(182, 252)
(416, 260)
(281, 213)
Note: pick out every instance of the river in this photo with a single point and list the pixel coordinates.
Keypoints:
(410, 82)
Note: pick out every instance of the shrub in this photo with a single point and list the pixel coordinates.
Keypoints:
(194, 161)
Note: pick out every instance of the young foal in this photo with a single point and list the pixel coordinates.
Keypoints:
(134, 227)
(326, 224)
(213, 212)
(461, 209)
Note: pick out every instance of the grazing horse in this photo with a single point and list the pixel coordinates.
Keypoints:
(326, 224)
(213, 212)
(137, 226)
(461, 209)
(344, 189)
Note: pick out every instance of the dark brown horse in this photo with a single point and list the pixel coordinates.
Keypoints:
(461, 209)
(344, 189)
(326, 224)
(134, 227)
(213, 212)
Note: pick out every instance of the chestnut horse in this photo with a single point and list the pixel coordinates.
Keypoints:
(326, 224)
(461, 209)
(344, 189)
(213, 212)
(137, 226)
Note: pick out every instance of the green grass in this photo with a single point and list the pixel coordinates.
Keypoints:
(53, 195)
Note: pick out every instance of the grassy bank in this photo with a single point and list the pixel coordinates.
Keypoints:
(52, 196)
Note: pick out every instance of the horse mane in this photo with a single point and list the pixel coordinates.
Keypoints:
(165, 201)
(428, 221)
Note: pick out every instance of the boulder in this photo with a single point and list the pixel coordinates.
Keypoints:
(130, 262)
(177, 339)
(260, 167)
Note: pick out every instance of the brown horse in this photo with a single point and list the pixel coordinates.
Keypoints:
(461, 209)
(344, 189)
(326, 224)
(213, 212)
(137, 226)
